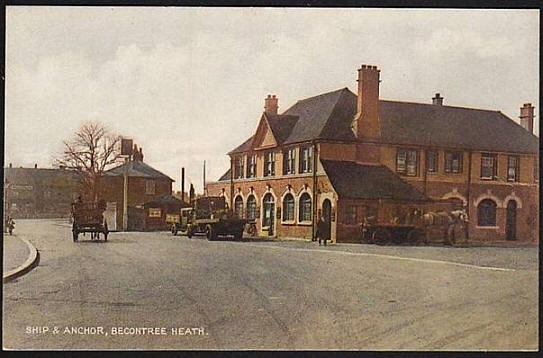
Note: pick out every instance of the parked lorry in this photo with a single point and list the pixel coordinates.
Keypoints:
(211, 216)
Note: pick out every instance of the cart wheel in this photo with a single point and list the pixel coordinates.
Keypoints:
(75, 234)
(238, 235)
(415, 236)
(251, 230)
(210, 233)
(381, 236)
(174, 230)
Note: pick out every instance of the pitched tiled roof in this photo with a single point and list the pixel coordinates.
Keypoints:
(417, 123)
(137, 169)
(316, 114)
(281, 126)
(357, 181)
(225, 176)
(165, 200)
(329, 116)
(245, 146)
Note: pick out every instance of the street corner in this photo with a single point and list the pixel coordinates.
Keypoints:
(20, 256)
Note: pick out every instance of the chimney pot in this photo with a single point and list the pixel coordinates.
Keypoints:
(527, 117)
(366, 124)
(10, 165)
(35, 166)
(437, 100)
(271, 104)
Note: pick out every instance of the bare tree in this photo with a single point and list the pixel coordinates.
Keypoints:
(90, 151)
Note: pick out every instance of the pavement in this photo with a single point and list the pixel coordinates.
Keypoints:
(19, 256)
(268, 295)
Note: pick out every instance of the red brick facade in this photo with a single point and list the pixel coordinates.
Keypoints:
(513, 186)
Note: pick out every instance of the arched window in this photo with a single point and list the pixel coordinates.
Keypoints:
(251, 207)
(486, 213)
(269, 210)
(305, 207)
(238, 206)
(288, 208)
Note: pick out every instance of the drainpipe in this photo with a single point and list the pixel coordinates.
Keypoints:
(231, 183)
(425, 173)
(314, 206)
(468, 196)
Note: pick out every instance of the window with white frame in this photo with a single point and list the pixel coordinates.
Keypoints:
(239, 167)
(306, 159)
(513, 168)
(289, 161)
(305, 208)
(486, 213)
(407, 161)
(238, 206)
(251, 207)
(269, 164)
(431, 161)
(251, 165)
(150, 187)
(489, 166)
(288, 208)
(453, 162)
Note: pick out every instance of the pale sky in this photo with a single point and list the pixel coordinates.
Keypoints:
(188, 84)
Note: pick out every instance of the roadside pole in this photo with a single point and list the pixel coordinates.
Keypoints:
(125, 195)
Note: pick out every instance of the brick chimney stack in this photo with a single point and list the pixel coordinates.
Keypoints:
(527, 117)
(366, 124)
(437, 100)
(271, 104)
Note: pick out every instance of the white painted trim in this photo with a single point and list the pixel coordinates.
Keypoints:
(455, 194)
(514, 197)
(270, 191)
(488, 227)
(488, 195)
(297, 206)
(291, 192)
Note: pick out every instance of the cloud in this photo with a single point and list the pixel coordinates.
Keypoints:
(445, 42)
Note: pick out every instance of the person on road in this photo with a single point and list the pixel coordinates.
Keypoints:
(323, 232)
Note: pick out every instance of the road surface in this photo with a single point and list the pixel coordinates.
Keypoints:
(267, 295)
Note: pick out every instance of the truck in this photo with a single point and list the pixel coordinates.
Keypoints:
(212, 216)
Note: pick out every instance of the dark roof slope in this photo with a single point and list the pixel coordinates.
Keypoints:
(225, 176)
(245, 146)
(329, 116)
(357, 181)
(417, 123)
(314, 114)
(281, 126)
(166, 200)
(137, 169)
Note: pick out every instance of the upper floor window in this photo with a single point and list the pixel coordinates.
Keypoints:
(269, 164)
(289, 161)
(306, 159)
(239, 167)
(453, 162)
(513, 168)
(406, 161)
(431, 161)
(489, 166)
(150, 187)
(251, 166)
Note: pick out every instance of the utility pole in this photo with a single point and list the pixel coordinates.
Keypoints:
(126, 151)
(204, 188)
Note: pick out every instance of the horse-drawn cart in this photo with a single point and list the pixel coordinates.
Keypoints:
(394, 233)
(88, 217)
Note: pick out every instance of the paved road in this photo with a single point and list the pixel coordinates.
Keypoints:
(269, 295)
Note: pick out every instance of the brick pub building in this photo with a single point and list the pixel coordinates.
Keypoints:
(346, 156)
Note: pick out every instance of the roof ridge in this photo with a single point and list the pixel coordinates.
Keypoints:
(319, 95)
(440, 106)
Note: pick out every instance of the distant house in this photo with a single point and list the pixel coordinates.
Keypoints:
(40, 192)
(347, 156)
(145, 184)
